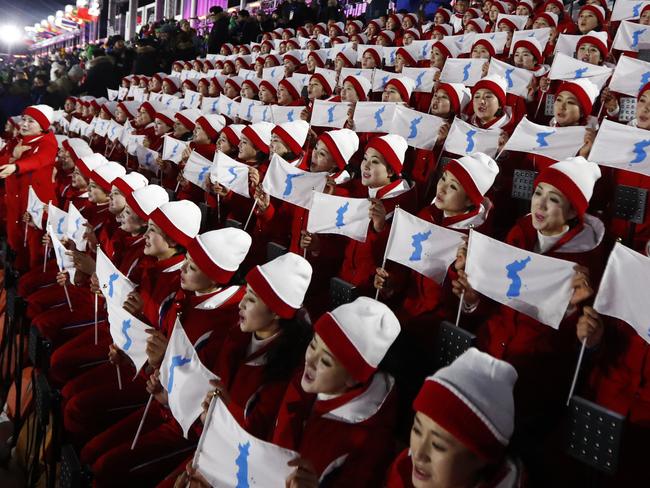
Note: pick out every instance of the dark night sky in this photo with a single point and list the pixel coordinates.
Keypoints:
(28, 12)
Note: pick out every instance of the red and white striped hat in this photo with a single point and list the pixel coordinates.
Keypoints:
(104, 174)
(180, 220)
(293, 134)
(259, 134)
(145, 200)
(342, 144)
(130, 182)
(218, 253)
(476, 173)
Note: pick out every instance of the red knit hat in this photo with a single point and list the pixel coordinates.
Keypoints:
(180, 220)
(597, 10)
(496, 84)
(218, 253)
(392, 147)
(342, 144)
(583, 89)
(42, 114)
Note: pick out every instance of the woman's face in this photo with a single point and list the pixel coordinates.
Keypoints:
(29, 126)
(161, 127)
(645, 18)
(154, 85)
(480, 52)
(143, 118)
(68, 106)
(553, 8)
(116, 201)
(247, 151)
(156, 242)
(550, 210)
(193, 279)
(438, 19)
(441, 104)
(486, 104)
(96, 194)
(436, 35)
(471, 28)
(199, 136)
(439, 459)
(540, 22)
(323, 372)
(230, 91)
(437, 58)
(278, 146)
(315, 89)
(284, 97)
(589, 53)
(120, 115)
(587, 21)
(130, 221)
(254, 315)
(204, 88)
(375, 172)
(339, 64)
(223, 144)
(266, 95)
(321, 159)
(523, 58)
(391, 94)
(78, 181)
(311, 64)
(289, 68)
(368, 61)
(522, 10)
(450, 195)
(643, 111)
(247, 91)
(407, 39)
(348, 93)
(493, 13)
(566, 109)
(400, 63)
(179, 129)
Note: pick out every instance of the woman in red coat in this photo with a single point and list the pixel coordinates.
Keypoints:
(464, 419)
(30, 163)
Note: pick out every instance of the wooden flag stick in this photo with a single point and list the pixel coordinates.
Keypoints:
(250, 214)
(575, 375)
(119, 378)
(460, 308)
(144, 416)
(67, 297)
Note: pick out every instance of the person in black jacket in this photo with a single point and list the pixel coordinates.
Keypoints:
(249, 30)
(146, 58)
(219, 33)
(122, 56)
(101, 75)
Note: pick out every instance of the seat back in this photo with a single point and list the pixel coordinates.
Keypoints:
(234, 223)
(341, 292)
(39, 349)
(630, 203)
(274, 250)
(451, 342)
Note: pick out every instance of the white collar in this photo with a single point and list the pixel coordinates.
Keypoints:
(173, 267)
(367, 404)
(545, 243)
(218, 299)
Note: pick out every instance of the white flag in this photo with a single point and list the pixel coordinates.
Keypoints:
(57, 219)
(626, 10)
(419, 129)
(422, 246)
(74, 126)
(566, 44)
(497, 39)
(76, 227)
(227, 107)
(122, 92)
(275, 73)
(541, 35)
(231, 174)
(423, 48)
(147, 158)
(330, 214)
(114, 131)
(192, 99)
(466, 71)
(374, 116)
(185, 378)
(631, 36)
(230, 457)
(128, 334)
(63, 259)
(35, 208)
(246, 108)
(630, 76)
(535, 285)
(366, 73)
(567, 68)
(139, 94)
(173, 149)
(464, 139)
(389, 55)
(291, 184)
(135, 142)
(112, 283)
(623, 291)
(285, 114)
(262, 113)
(101, 127)
(125, 137)
(518, 79)
(330, 114)
(423, 78)
(197, 169)
(210, 105)
(380, 78)
(172, 102)
(622, 147)
(553, 142)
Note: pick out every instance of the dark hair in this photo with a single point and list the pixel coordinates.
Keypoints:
(260, 156)
(289, 349)
(244, 13)
(215, 9)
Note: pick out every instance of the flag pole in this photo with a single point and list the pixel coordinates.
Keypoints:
(575, 375)
(208, 419)
(460, 308)
(218, 208)
(96, 306)
(67, 296)
(47, 249)
(539, 104)
(144, 416)
(119, 378)
(383, 264)
(250, 214)
(25, 239)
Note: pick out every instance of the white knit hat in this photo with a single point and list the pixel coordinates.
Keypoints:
(575, 177)
(212, 124)
(294, 86)
(392, 147)
(410, 53)
(319, 55)
(447, 46)
(167, 116)
(282, 283)
(77, 148)
(361, 85)
(294, 134)
(476, 173)
(584, 90)
(233, 133)
(342, 144)
(295, 56)
(188, 117)
(479, 23)
(145, 200)
(459, 95)
(532, 45)
(349, 56)
(259, 134)
(327, 78)
(516, 22)
(496, 84)
(404, 85)
(104, 174)
(219, 253)
(130, 182)
(598, 39)
(472, 400)
(180, 220)
(86, 164)
(359, 334)
(43, 114)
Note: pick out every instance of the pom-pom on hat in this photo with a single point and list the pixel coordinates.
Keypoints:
(584, 90)
(342, 144)
(359, 334)
(130, 182)
(282, 283)
(476, 173)
(392, 147)
(42, 114)
(575, 177)
(361, 85)
(403, 85)
(496, 84)
(459, 95)
(259, 134)
(293, 134)
(145, 200)
(104, 174)
(472, 400)
(180, 220)
(218, 253)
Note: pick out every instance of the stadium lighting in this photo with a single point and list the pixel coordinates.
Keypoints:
(69, 9)
(10, 34)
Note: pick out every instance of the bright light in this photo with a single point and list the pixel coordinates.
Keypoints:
(10, 34)
(82, 3)
(69, 9)
(59, 14)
